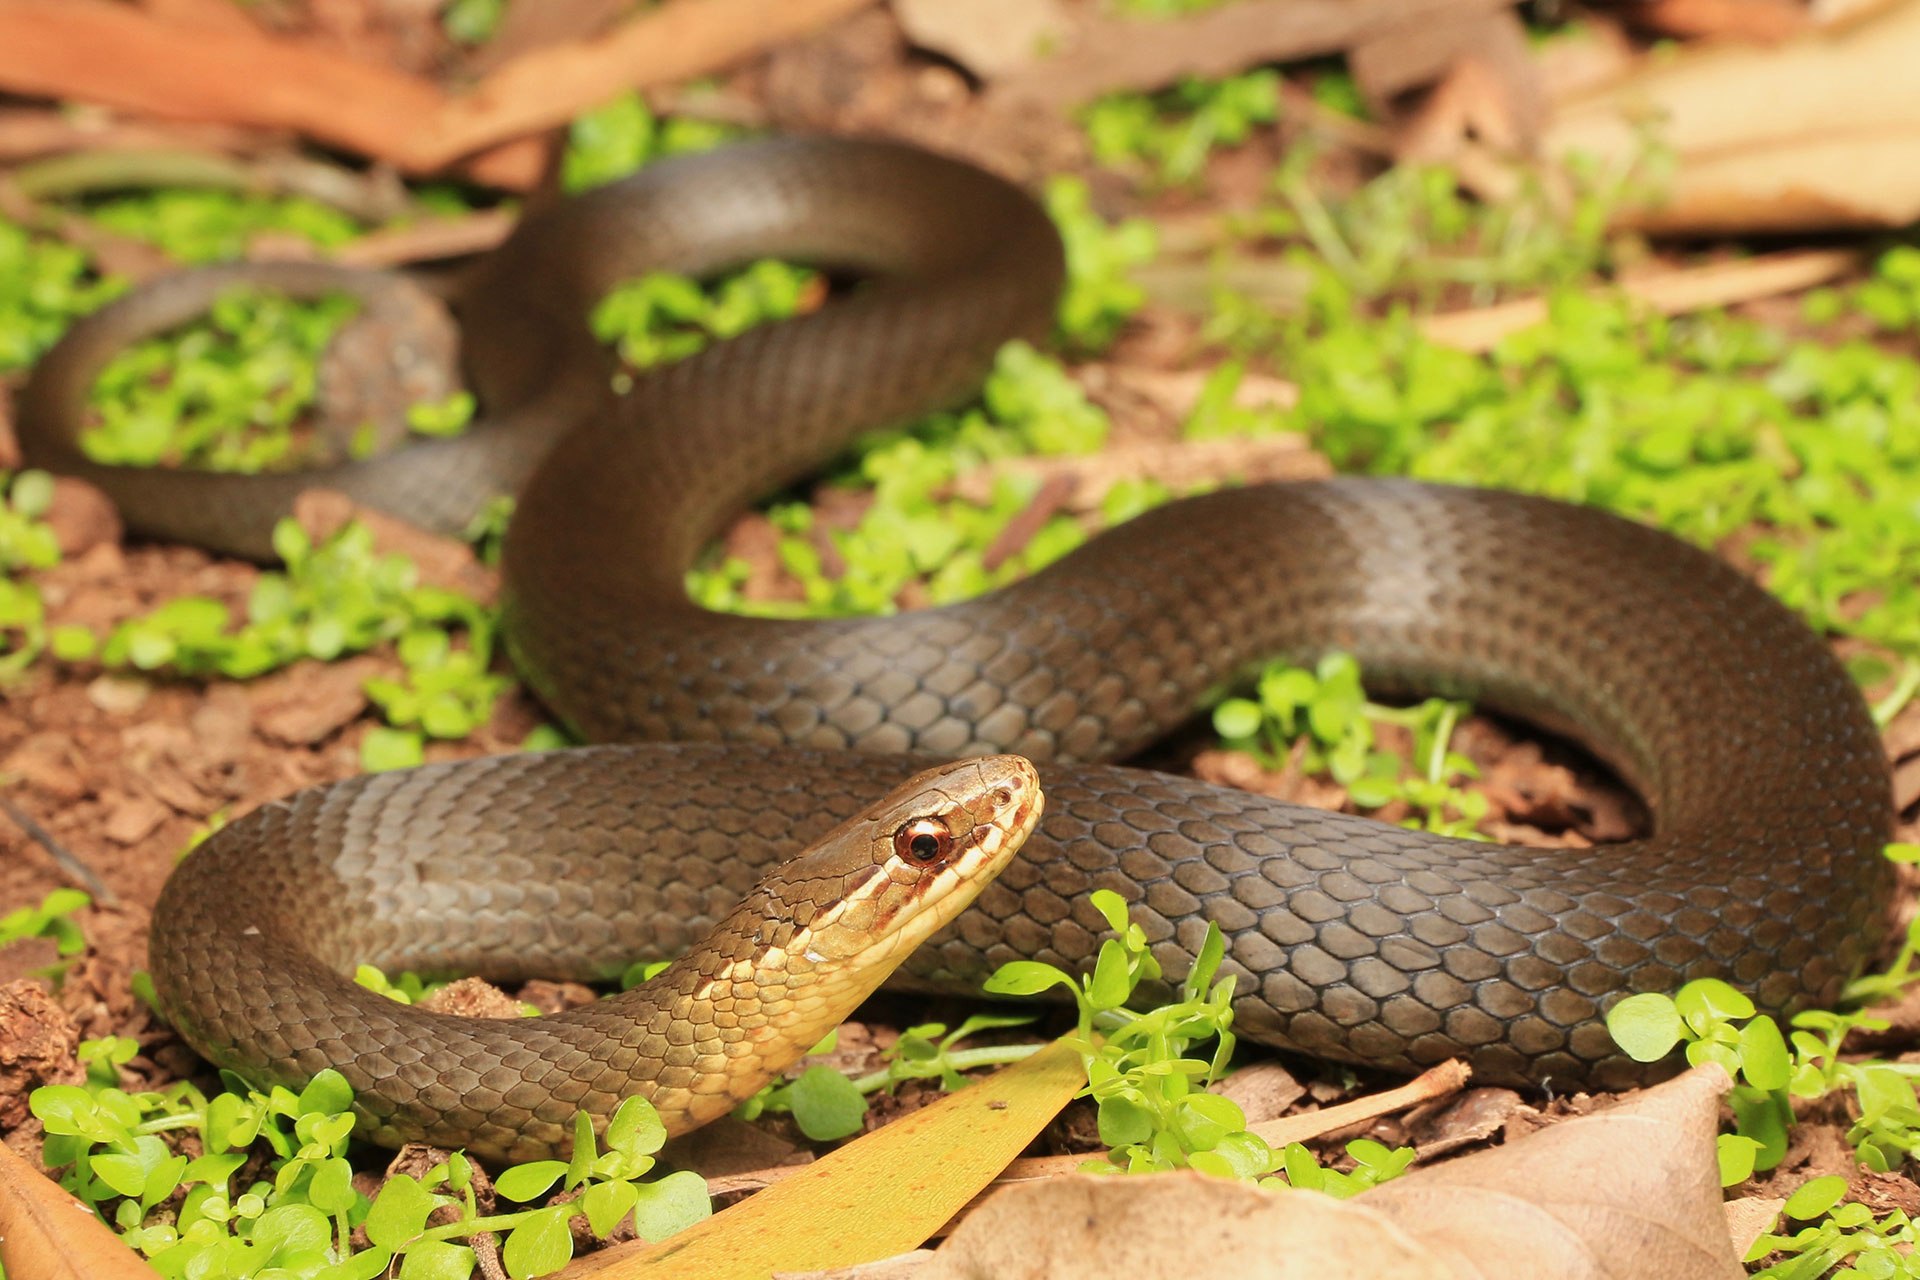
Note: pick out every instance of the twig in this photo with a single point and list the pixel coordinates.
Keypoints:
(428, 240)
(1447, 1078)
(1668, 292)
(64, 857)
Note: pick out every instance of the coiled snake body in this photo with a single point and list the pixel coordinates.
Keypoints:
(1350, 939)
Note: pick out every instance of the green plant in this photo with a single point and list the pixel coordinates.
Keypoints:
(333, 598)
(1154, 1112)
(1374, 1163)
(1875, 1248)
(1326, 714)
(26, 542)
(916, 529)
(827, 1105)
(1100, 293)
(45, 284)
(271, 1194)
(1717, 1023)
(198, 225)
(664, 317)
(472, 21)
(53, 918)
(228, 393)
(1170, 135)
(612, 141)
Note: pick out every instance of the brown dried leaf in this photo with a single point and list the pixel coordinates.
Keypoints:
(1633, 1190)
(1107, 54)
(1488, 84)
(1816, 133)
(47, 1234)
(988, 37)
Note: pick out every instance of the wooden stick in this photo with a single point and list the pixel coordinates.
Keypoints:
(1668, 292)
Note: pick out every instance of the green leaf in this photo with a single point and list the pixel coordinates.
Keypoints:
(1237, 719)
(1707, 1000)
(530, 1181)
(1736, 1154)
(385, 748)
(1764, 1117)
(1124, 1120)
(436, 1260)
(585, 1150)
(826, 1105)
(671, 1204)
(1213, 949)
(636, 1128)
(1112, 906)
(368, 1264)
(125, 1173)
(289, 1231)
(607, 1203)
(62, 1108)
(541, 1243)
(328, 1093)
(1112, 983)
(331, 1189)
(1026, 978)
(1764, 1058)
(1645, 1026)
(399, 1212)
(1815, 1197)
(1206, 1118)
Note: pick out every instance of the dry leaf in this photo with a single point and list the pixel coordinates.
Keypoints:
(1751, 1217)
(1488, 83)
(1630, 1191)
(93, 51)
(988, 37)
(1161, 1226)
(47, 1234)
(1107, 54)
(1816, 133)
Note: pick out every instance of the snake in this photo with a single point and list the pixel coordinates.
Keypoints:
(722, 743)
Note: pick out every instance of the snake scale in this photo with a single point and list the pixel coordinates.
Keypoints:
(1350, 939)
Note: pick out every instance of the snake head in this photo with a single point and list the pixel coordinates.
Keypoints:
(885, 881)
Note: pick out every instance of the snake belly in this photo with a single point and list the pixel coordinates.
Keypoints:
(1350, 939)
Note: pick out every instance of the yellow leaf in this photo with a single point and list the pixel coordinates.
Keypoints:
(875, 1197)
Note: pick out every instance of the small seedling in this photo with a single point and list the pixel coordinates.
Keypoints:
(296, 1213)
(1326, 716)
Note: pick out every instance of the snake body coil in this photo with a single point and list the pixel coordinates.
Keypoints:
(1351, 939)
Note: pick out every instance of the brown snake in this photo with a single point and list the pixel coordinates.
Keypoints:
(1350, 939)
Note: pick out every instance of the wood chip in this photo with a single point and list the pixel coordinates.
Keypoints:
(473, 998)
(309, 702)
(1263, 1090)
(1474, 1116)
(1109, 54)
(37, 1043)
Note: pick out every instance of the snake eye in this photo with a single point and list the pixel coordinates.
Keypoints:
(923, 841)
